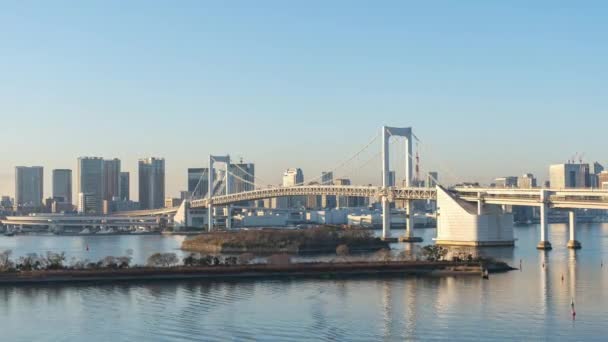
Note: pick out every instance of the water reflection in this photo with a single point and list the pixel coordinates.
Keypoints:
(530, 304)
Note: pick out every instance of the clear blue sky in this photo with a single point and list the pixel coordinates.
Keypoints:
(495, 87)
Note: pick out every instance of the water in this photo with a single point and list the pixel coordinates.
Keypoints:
(531, 304)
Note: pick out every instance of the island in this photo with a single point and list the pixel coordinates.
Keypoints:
(318, 240)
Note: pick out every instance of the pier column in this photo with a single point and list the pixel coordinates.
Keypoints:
(210, 218)
(209, 195)
(409, 221)
(544, 241)
(386, 218)
(228, 217)
(573, 243)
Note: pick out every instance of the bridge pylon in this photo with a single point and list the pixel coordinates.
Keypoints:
(212, 160)
(387, 133)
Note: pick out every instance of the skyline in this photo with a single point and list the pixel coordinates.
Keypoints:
(182, 83)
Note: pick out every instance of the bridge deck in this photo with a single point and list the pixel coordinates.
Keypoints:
(556, 198)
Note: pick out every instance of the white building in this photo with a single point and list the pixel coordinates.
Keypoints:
(563, 176)
(466, 224)
(293, 177)
(89, 204)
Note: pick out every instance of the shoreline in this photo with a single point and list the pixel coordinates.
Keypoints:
(253, 272)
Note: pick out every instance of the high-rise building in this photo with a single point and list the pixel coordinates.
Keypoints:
(328, 201)
(344, 201)
(111, 179)
(526, 181)
(125, 186)
(151, 183)
(597, 168)
(392, 178)
(62, 186)
(327, 178)
(89, 204)
(29, 186)
(6, 202)
(198, 182)
(506, 182)
(431, 179)
(569, 176)
(242, 177)
(90, 185)
(602, 180)
(293, 177)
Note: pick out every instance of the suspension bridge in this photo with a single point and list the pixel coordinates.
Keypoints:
(457, 208)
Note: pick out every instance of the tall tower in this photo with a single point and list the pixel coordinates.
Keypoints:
(29, 186)
(90, 184)
(125, 186)
(111, 179)
(151, 183)
(62, 185)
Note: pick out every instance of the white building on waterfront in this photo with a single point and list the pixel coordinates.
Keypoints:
(468, 224)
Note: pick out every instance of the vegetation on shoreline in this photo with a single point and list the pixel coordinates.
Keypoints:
(315, 240)
(57, 261)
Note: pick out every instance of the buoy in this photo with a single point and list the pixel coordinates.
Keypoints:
(573, 310)
(485, 274)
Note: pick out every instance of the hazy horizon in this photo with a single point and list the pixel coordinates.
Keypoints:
(492, 89)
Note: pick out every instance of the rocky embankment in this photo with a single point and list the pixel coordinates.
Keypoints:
(256, 271)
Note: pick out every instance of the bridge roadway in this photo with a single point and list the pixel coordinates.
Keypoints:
(553, 198)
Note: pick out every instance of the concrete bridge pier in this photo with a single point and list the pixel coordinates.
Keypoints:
(409, 220)
(228, 217)
(573, 243)
(210, 217)
(386, 219)
(544, 243)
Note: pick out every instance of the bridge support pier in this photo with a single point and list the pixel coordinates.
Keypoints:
(210, 218)
(228, 217)
(573, 243)
(409, 220)
(386, 219)
(544, 244)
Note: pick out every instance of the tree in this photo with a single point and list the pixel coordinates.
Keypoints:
(29, 262)
(5, 260)
(434, 252)
(109, 262)
(162, 260)
(191, 260)
(383, 255)
(342, 250)
(231, 261)
(54, 261)
(123, 261)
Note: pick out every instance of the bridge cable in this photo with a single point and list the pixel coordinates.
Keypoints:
(373, 140)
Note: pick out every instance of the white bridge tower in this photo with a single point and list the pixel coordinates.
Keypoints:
(387, 133)
(212, 161)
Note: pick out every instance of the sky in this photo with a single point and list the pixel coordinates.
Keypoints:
(491, 88)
